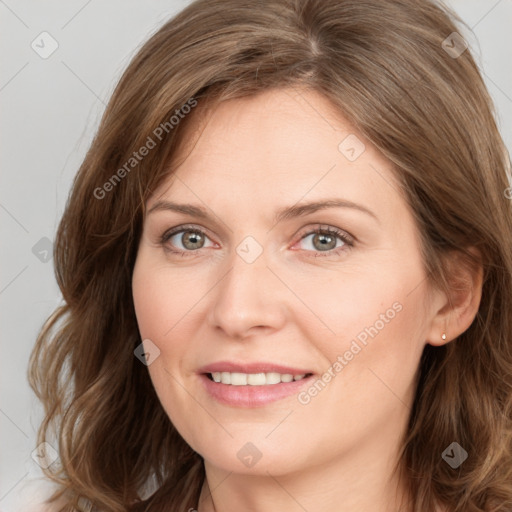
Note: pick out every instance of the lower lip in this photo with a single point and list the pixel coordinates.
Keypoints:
(252, 396)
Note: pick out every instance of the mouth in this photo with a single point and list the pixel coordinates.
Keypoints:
(259, 385)
(254, 379)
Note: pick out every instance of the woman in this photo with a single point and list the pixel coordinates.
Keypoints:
(287, 272)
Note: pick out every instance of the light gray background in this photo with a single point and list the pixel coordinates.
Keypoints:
(50, 110)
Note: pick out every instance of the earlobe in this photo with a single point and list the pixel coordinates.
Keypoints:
(462, 299)
(441, 333)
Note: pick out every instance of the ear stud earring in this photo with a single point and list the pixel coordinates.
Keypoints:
(443, 336)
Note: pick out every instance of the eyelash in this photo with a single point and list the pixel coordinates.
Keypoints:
(347, 240)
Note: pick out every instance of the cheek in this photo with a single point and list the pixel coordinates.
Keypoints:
(162, 298)
(163, 304)
(342, 306)
(377, 360)
(369, 371)
(376, 325)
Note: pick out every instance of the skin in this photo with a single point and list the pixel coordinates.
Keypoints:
(295, 304)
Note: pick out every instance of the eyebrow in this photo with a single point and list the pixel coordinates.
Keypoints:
(286, 213)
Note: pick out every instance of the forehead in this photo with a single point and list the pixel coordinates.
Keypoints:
(279, 146)
(268, 124)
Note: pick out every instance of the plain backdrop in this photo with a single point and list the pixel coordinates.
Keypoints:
(51, 107)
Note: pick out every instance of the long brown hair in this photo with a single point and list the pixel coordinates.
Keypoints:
(386, 67)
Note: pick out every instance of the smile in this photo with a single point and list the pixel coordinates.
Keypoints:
(250, 390)
(253, 379)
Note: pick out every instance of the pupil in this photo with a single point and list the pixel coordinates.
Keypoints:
(326, 240)
(192, 237)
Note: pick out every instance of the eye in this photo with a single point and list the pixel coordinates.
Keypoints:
(327, 240)
(190, 237)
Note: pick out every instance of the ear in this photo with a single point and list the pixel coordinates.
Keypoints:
(455, 311)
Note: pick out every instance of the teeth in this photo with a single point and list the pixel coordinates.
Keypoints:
(238, 379)
(272, 378)
(254, 379)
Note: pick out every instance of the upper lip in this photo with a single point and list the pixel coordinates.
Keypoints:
(255, 367)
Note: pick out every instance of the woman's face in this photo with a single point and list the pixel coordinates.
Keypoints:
(251, 290)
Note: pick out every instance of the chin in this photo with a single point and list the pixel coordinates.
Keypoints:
(241, 456)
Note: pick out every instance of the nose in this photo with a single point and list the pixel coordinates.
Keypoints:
(249, 299)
